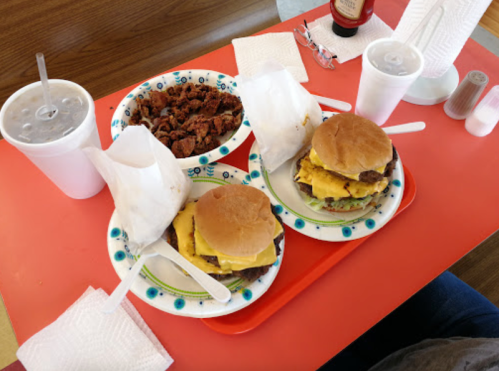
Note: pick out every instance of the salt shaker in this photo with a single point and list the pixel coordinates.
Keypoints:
(464, 98)
(485, 116)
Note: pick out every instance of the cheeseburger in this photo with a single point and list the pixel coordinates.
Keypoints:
(230, 231)
(348, 165)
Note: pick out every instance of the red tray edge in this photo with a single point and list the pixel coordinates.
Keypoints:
(217, 323)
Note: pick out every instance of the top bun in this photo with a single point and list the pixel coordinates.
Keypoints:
(235, 220)
(352, 144)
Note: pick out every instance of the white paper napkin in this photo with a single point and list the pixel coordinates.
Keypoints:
(252, 52)
(347, 48)
(283, 114)
(146, 181)
(85, 339)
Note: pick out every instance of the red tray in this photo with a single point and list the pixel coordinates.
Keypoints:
(298, 271)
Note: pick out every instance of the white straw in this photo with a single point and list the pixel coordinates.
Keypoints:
(45, 81)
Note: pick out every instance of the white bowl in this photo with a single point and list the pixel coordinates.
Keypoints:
(224, 83)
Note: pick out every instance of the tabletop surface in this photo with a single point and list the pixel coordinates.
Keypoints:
(54, 247)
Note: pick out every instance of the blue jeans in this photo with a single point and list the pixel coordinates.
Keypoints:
(447, 307)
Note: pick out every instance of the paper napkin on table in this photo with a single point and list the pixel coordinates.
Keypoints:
(146, 181)
(347, 48)
(85, 339)
(252, 52)
(282, 113)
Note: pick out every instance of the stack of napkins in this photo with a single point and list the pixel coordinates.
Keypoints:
(347, 48)
(254, 51)
(85, 339)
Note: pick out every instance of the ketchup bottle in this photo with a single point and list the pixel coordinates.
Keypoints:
(348, 15)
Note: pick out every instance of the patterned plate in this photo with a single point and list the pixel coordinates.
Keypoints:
(224, 83)
(164, 286)
(283, 193)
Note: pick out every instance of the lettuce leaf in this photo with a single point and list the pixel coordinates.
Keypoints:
(345, 204)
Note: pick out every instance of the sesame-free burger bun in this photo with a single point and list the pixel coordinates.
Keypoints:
(339, 145)
(235, 220)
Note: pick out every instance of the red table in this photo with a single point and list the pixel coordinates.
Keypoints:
(53, 247)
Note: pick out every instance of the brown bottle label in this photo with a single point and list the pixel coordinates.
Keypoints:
(350, 9)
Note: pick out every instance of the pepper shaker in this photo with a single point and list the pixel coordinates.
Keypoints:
(464, 98)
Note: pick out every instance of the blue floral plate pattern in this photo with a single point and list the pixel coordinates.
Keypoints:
(321, 225)
(222, 82)
(164, 286)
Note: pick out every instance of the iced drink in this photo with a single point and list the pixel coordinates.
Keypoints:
(53, 138)
(388, 70)
(28, 120)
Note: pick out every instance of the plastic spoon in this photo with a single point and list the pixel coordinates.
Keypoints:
(214, 288)
(121, 290)
(333, 103)
(405, 128)
(161, 247)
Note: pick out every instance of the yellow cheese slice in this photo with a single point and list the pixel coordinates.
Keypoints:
(184, 229)
(314, 158)
(324, 184)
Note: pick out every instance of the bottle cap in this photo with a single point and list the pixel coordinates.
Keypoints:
(343, 31)
(464, 98)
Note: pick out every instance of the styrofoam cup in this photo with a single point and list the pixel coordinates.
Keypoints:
(63, 160)
(379, 92)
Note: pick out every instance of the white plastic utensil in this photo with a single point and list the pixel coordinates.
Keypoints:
(405, 128)
(217, 290)
(333, 103)
(214, 288)
(121, 290)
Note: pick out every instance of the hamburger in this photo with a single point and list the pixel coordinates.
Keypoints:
(348, 165)
(230, 231)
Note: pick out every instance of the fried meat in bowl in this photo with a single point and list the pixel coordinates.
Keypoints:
(197, 114)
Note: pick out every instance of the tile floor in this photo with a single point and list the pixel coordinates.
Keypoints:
(291, 8)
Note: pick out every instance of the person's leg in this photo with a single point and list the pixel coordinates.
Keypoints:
(445, 308)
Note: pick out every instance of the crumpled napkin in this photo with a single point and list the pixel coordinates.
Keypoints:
(347, 48)
(147, 184)
(252, 52)
(85, 339)
(282, 113)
